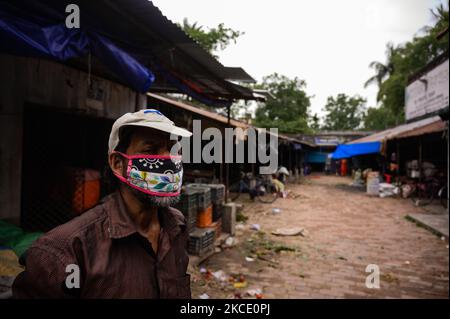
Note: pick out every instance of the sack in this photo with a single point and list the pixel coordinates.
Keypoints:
(15, 238)
(24, 242)
(8, 233)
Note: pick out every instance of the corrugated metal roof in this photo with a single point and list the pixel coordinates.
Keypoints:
(238, 74)
(425, 126)
(220, 118)
(282, 136)
(200, 111)
(434, 127)
(141, 29)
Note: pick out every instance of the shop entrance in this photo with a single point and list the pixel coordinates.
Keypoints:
(64, 155)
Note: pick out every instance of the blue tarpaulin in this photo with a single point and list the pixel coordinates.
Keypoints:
(131, 38)
(316, 157)
(350, 150)
(56, 41)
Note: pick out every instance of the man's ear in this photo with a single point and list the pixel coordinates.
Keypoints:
(116, 163)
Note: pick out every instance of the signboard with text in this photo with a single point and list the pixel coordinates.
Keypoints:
(428, 94)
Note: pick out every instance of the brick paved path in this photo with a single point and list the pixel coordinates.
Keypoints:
(346, 231)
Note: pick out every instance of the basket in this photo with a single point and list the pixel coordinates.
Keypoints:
(201, 241)
(204, 217)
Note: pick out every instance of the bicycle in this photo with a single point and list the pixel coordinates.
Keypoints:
(261, 188)
(443, 196)
(425, 192)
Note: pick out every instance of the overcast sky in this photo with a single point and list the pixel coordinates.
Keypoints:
(328, 43)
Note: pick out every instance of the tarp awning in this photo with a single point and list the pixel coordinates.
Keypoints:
(28, 38)
(422, 127)
(350, 150)
(131, 37)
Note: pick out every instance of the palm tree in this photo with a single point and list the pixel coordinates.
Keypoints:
(382, 70)
(440, 16)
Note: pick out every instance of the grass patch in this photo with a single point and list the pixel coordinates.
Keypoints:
(241, 217)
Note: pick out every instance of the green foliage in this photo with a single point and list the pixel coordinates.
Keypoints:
(315, 122)
(288, 110)
(377, 119)
(382, 70)
(344, 112)
(402, 61)
(213, 39)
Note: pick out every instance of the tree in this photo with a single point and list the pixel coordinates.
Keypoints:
(288, 110)
(344, 112)
(213, 39)
(377, 119)
(382, 70)
(315, 122)
(405, 60)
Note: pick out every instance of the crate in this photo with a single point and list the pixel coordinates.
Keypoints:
(217, 226)
(188, 200)
(203, 196)
(204, 217)
(201, 241)
(217, 211)
(217, 191)
(86, 189)
(191, 218)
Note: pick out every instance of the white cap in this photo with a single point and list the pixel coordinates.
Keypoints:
(283, 170)
(145, 118)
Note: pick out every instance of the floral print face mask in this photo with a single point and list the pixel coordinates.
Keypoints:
(157, 175)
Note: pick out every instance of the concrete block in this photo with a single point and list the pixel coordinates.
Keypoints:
(229, 218)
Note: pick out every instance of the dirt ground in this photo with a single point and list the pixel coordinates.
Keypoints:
(345, 230)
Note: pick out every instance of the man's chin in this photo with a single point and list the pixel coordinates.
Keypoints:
(155, 201)
(162, 201)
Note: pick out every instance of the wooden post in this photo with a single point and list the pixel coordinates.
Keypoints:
(227, 166)
(398, 160)
(420, 158)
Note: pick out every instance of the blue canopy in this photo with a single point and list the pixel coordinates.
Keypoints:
(29, 38)
(350, 150)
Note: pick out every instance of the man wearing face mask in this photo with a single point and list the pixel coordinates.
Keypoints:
(132, 244)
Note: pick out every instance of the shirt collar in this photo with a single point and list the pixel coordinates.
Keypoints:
(121, 225)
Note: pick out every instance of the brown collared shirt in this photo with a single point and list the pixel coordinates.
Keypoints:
(114, 260)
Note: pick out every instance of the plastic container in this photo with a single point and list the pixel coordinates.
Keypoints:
(204, 217)
(203, 196)
(373, 183)
(86, 189)
(201, 241)
(217, 226)
(191, 218)
(188, 200)
(388, 178)
(217, 191)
